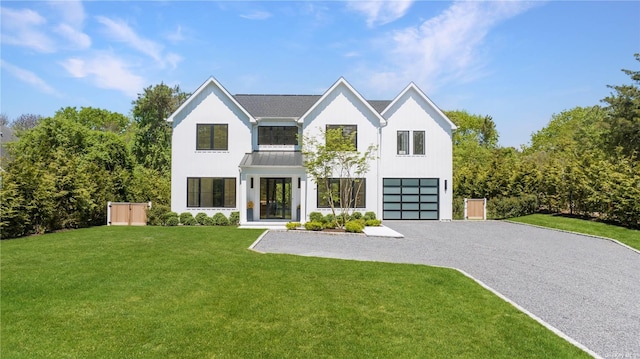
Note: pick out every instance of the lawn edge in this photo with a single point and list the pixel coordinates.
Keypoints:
(257, 241)
(553, 329)
(572, 232)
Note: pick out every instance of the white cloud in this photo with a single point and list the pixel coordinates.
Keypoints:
(122, 32)
(105, 71)
(75, 36)
(72, 23)
(445, 48)
(176, 36)
(257, 15)
(381, 12)
(28, 77)
(24, 28)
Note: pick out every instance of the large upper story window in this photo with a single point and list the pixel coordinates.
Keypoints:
(213, 137)
(349, 132)
(208, 192)
(278, 135)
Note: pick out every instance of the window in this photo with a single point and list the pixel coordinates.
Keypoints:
(347, 188)
(348, 132)
(211, 192)
(403, 142)
(418, 142)
(277, 135)
(213, 137)
(404, 146)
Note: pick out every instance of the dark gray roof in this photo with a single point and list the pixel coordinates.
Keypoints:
(277, 105)
(272, 158)
(287, 106)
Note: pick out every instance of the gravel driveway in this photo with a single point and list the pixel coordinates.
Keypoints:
(588, 288)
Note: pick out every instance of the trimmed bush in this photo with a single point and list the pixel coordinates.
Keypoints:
(234, 218)
(316, 217)
(354, 227)
(356, 215)
(313, 226)
(184, 217)
(373, 223)
(292, 225)
(329, 218)
(330, 225)
(509, 207)
(342, 218)
(209, 222)
(156, 215)
(369, 215)
(172, 221)
(169, 216)
(201, 217)
(220, 219)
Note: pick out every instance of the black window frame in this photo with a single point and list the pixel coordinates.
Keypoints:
(399, 143)
(362, 196)
(271, 132)
(210, 143)
(346, 134)
(416, 142)
(219, 192)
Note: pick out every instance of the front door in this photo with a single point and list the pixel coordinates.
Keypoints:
(275, 198)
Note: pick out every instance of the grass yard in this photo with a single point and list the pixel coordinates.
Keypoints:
(627, 236)
(197, 292)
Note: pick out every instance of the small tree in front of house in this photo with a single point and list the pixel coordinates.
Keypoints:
(338, 168)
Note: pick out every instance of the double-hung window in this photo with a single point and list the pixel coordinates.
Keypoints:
(349, 133)
(351, 191)
(211, 192)
(404, 145)
(212, 137)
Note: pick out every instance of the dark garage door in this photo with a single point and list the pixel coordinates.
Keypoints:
(410, 198)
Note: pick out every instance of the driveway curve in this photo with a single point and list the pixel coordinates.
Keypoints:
(588, 288)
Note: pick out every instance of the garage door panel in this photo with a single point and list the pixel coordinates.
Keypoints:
(410, 198)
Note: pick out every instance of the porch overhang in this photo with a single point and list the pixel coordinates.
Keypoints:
(270, 159)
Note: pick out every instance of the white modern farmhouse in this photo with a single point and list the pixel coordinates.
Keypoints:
(232, 151)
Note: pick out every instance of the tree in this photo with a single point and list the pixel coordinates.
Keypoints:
(624, 116)
(152, 142)
(337, 168)
(26, 121)
(4, 119)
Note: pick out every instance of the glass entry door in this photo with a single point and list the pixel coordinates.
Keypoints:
(275, 198)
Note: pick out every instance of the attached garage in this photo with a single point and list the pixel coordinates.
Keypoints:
(410, 198)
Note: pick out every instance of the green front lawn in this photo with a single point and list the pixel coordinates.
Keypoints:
(627, 236)
(197, 292)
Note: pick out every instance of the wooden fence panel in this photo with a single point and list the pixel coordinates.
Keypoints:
(127, 214)
(475, 208)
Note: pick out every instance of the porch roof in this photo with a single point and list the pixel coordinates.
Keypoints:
(272, 159)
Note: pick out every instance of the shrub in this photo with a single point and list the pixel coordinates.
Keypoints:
(330, 225)
(369, 215)
(220, 219)
(329, 218)
(209, 222)
(172, 221)
(189, 221)
(156, 215)
(342, 218)
(354, 227)
(316, 217)
(234, 218)
(356, 215)
(458, 208)
(171, 216)
(201, 217)
(184, 217)
(313, 226)
(373, 223)
(292, 225)
(509, 207)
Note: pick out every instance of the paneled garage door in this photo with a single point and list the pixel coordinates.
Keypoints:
(410, 198)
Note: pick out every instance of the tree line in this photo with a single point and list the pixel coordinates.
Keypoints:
(62, 170)
(583, 163)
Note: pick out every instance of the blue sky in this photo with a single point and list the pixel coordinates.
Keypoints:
(519, 62)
